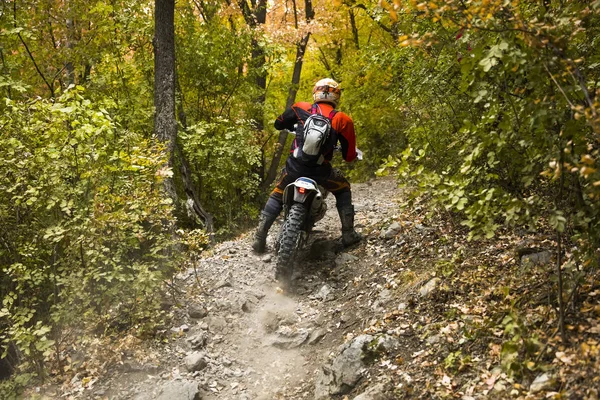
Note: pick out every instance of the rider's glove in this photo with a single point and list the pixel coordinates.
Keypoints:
(359, 154)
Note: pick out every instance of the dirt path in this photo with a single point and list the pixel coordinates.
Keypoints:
(251, 340)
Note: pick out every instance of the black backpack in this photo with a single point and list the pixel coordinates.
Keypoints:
(313, 137)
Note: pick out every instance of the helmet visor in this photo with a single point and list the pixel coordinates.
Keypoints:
(327, 89)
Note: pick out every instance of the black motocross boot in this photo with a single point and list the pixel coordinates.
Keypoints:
(260, 237)
(349, 235)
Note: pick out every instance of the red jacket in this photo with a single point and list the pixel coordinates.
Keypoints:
(342, 126)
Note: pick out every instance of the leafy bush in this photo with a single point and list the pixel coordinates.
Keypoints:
(503, 126)
(86, 233)
(226, 161)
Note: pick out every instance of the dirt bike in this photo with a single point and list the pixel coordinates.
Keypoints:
(303, 205)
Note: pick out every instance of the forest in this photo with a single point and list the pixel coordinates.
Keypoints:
(135, 134)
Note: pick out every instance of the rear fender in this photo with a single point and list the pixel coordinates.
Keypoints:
(303, 190)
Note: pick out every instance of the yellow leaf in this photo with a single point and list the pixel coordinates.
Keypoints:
(587, 159)
(393, 15)
(585, 347)
(587, 171)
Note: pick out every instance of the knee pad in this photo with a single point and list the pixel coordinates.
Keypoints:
(273, 206)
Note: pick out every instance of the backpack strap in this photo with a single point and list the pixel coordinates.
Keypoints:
(313, 110)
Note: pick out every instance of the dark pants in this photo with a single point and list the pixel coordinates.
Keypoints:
(325, 175)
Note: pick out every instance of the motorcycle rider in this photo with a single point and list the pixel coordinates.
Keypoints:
(326, 95)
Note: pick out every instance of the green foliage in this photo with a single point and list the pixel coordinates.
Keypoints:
(211, 82)
(85, 230)
(518, 351)
(499, 127)
(225, 159)
(11, 389)
(456, 361)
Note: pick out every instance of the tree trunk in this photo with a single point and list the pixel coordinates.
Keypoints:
(274, 167)
(354, 28)
(193, 204)
(255, 16)
(165, 125)
(300, 50)
(69, 67)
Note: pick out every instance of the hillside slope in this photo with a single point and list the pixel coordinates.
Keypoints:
(414, 311)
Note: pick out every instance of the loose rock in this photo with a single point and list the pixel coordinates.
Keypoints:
(391, 231)
(198, 341)
(197, 311)
(195, 362)
(540, 258)
(344, 258)
(387, 343)
(429, 287)
(543, 382)
(289, 339)
(375, 392)
(346, 369)
(180, 390)
(434, 339)
(324, 294)
(316, 336)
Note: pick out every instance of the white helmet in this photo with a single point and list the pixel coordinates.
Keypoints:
(327, 91)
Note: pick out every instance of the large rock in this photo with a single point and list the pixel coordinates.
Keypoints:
(195, 361)
(180, 390)
(346, 369)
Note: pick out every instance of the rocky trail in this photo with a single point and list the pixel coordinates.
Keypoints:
(410, 312)
(238, 336)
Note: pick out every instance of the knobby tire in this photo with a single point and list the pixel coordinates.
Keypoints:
(291, 238)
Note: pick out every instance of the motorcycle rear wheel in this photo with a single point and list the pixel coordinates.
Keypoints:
(291, 239)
